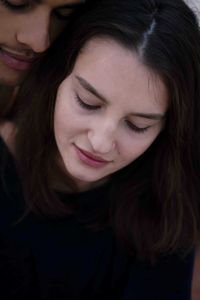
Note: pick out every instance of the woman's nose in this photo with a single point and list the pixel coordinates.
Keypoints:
(102, 139)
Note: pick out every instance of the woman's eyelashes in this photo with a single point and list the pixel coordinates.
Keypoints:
(131, 126)
(16, 5)
(86, 105)
(135, 128)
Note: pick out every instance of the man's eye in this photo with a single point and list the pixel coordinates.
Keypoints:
(135, 128)
(85, 105)
(63, 14)
(15, 4)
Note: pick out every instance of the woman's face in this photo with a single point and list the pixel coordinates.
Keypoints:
(27, 28)
(108, 112)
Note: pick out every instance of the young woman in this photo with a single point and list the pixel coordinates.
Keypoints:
(27, 28)
(100, 173)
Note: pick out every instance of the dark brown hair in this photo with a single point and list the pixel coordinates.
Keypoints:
(154, 202)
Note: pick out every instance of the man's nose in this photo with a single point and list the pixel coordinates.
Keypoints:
(34, 34)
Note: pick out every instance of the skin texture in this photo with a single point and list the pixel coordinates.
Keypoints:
(112, 128)
(27, 28)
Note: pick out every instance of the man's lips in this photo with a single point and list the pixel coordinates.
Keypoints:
(23, 55)
(15, 60)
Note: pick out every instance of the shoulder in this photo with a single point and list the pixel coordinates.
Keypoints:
(169, 278)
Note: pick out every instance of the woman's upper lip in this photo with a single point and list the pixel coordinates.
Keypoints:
(17, 55)
(92, 156)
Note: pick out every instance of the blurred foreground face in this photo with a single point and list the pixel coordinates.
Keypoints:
(108, 112)
(27, 28)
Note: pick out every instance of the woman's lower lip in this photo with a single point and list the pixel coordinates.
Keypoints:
(89, 161)
(14, 63)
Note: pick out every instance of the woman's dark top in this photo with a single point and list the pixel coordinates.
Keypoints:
(54, 259)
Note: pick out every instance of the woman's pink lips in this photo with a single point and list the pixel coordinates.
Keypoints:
(17, 62)
(90, 159)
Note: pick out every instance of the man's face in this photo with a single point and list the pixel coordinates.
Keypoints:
(27, 28)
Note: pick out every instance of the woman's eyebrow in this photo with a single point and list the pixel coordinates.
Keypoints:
(87, 86)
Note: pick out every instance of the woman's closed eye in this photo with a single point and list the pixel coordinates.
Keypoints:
(85, 105)
(135, 128)
(89, 107)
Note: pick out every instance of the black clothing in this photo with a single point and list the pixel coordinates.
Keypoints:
(54, 259)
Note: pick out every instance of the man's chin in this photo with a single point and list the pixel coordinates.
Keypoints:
(12, 81)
